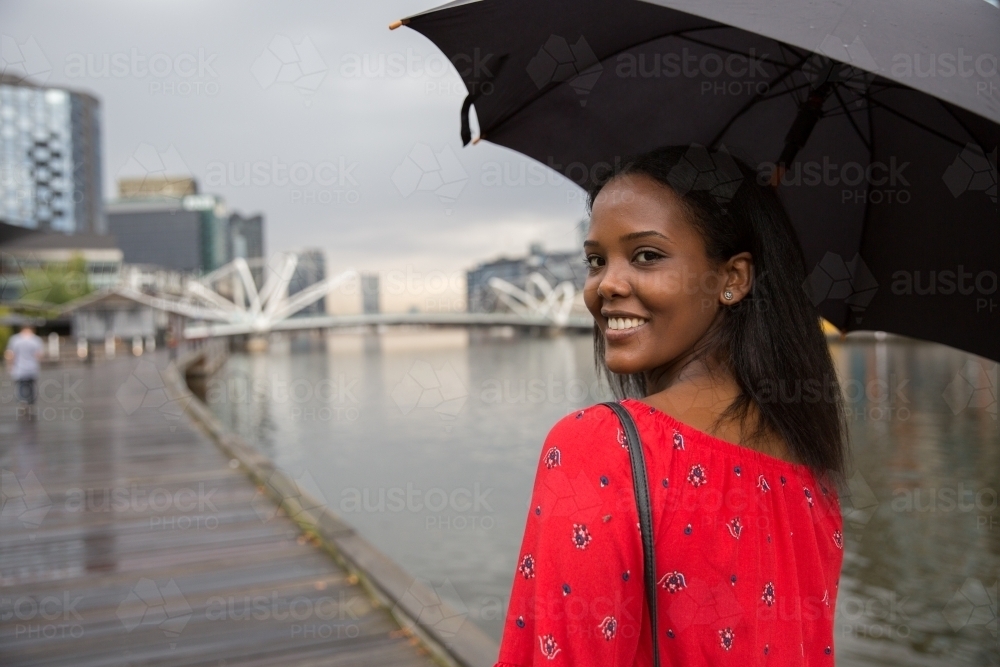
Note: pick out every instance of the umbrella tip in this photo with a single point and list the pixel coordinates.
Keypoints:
(396, 24)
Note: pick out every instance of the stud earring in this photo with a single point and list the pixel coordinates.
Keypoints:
(728, 295)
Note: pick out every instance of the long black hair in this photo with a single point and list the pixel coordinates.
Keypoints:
(771, 341)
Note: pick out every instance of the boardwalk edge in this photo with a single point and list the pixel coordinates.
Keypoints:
(385, 580)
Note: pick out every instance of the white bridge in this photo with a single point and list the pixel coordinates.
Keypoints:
(228, 302)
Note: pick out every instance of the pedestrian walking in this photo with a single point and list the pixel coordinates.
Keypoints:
(24, 354)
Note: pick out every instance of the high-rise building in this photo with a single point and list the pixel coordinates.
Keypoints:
(370, 294)
(187, 234)
(555, 267)
(310, 269)
(148, 186)
(50, 158)
(245, 237)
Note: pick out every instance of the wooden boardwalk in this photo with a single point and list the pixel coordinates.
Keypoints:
(128, 538)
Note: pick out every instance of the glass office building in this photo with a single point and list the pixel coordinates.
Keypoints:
(50, 159)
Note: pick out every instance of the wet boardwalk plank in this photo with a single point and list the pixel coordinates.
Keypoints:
(126, 538)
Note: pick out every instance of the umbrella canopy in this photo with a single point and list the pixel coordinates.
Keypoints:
(880, 119)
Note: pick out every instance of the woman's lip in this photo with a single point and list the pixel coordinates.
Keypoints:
(617, 335)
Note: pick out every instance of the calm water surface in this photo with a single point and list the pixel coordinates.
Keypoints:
(427, 443)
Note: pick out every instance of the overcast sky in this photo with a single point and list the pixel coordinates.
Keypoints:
(294, 90)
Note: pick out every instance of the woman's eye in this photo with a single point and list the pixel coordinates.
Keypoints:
(647, 256)
(594, 261)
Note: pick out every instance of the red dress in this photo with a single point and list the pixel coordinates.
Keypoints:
(748, 552)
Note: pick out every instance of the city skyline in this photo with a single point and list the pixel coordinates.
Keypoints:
(328, 132)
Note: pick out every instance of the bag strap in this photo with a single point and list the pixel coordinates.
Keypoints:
(641, 487)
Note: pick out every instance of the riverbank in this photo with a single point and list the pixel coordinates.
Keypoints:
(128, 537)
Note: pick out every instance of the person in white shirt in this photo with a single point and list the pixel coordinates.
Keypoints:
(24, 354)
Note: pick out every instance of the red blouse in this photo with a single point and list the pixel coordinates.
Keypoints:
(748, 552)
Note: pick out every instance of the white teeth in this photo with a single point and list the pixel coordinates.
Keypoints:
(618, 323)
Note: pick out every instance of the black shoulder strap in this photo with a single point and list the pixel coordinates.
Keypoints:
(641, 486)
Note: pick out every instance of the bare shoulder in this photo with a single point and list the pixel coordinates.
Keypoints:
(584, 427)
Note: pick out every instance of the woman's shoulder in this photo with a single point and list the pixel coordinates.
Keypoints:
(593, 421)
(588, 430)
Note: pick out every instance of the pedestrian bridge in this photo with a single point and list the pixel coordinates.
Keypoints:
(389, 319)
(251, 298)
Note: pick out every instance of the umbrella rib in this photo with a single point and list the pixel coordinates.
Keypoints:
(958, 120)
(681, 35)
(786, 91)
(483, 132)
(850, 117)
(923, 127)
(751, 102)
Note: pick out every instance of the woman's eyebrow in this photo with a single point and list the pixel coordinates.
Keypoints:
(638, 235)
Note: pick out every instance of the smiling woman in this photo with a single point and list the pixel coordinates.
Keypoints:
(709, 341)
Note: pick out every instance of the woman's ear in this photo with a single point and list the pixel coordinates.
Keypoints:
(738, 272)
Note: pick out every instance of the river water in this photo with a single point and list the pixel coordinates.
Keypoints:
(427, 441)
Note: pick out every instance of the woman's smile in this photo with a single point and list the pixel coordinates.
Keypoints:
(619, 327)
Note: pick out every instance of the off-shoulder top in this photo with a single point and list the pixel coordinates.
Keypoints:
(748, 552)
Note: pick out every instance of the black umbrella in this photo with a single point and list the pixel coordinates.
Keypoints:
(880, 118)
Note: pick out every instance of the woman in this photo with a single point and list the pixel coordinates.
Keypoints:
(700, 311)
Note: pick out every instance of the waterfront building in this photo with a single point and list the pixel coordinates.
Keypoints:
(186, 234)
(370, 302)
(100, 254)
(311, 269)
(165, 221)
(159, 185)
(555, 267)
(245, 237)
(50, 159)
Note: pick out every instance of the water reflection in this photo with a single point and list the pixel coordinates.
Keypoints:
(427, 443)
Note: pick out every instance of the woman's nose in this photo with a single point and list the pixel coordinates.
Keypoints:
(614, 283)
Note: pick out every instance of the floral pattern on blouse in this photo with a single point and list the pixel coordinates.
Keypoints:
(727, 546)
